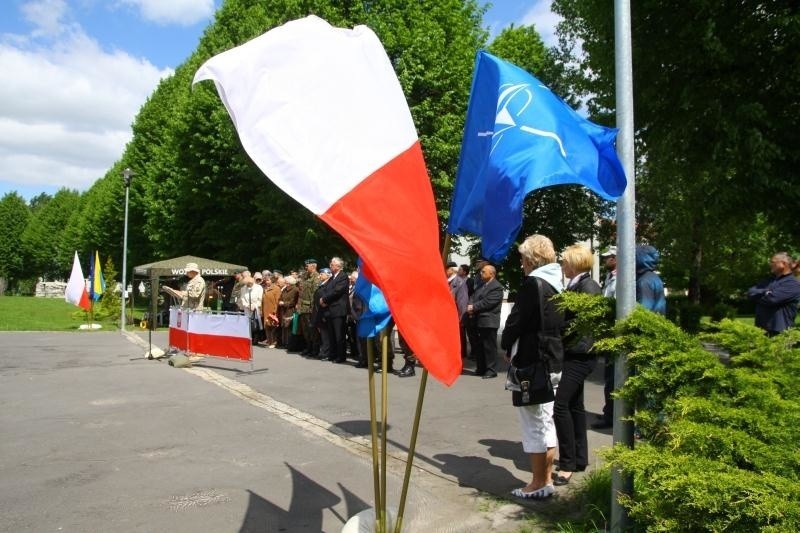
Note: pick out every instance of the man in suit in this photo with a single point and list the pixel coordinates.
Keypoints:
(484, 310)
(334, 300)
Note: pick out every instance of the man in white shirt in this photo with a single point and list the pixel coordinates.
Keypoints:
(250, 302)
(610, 282)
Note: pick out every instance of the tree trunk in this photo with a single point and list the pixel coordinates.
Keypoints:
(697, 261)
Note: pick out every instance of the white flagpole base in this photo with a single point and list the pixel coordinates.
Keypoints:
(365, 522)
(155, 353)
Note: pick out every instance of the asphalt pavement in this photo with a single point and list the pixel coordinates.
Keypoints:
(96, 437)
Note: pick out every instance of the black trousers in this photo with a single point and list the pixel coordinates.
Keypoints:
(362, 349)
(569, 414)
(352, 340)
(462, 331)
(471, 332)
(325, 349)
(309, 332)
(338, 340)
(608, 388)
(486, 355)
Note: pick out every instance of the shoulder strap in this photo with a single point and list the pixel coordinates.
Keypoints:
(540, 285)
(540, 290)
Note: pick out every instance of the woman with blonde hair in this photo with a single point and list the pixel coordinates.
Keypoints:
(569, 412)
(534, 317)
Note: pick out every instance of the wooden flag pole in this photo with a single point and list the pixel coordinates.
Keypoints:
(417, 416)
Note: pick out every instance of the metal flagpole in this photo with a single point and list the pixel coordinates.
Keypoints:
(417, 416)
(126, 176)
(622, 483)
(411, 447)
(384, 416)
(373, 425)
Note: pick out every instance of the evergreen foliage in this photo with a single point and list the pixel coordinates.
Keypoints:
(111, 301)
(719, 448)
(14, 215)
(715, 99)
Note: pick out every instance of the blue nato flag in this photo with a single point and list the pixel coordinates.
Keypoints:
(520, 137)
(376, 314)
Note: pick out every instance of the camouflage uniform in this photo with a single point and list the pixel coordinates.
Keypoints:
(235, 293)
(308, 285)
(195, 294)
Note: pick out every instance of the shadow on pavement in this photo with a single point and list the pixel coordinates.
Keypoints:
(361, 428)
(305, 512)
(507, 449)
(478, 473)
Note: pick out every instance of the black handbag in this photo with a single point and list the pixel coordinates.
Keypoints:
(533, 384)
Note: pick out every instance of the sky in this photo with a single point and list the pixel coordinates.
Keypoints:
(78, 71)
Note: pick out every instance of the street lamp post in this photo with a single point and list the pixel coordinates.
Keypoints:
(126, 176)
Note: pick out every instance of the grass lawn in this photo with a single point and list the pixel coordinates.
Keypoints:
(26, 313)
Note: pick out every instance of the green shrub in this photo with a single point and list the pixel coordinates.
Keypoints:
(26, 287)
(689, 317)
(720, 450)
(721, 311)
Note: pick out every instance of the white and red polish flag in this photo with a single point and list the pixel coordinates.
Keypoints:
(319, 109)
(210, 334)
(76, 286)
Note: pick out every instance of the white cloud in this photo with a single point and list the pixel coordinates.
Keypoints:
(46, 16)
(67, 105)
(545, 21)
(182, 12)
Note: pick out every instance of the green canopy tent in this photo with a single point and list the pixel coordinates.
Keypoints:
(176, 268)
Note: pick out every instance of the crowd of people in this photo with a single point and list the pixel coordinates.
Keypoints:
(314, 313)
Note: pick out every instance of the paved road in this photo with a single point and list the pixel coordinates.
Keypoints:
(98, 438)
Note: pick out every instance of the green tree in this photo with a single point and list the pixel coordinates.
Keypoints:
(197, 191)
(43, 242)
(715, 111)
(14, 216)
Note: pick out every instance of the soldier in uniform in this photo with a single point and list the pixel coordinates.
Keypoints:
(195, 294)
(286, 309)
(238, 275)
(309, 283)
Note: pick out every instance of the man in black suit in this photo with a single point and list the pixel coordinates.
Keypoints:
(334, 300)
(484, 310)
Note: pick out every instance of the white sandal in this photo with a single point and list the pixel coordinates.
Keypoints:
(538, 494)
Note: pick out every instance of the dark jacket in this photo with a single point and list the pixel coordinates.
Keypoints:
(319, 314)
(486, 303)
(525, 323)
(776, 302)
(576, 346)
(335, 295)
